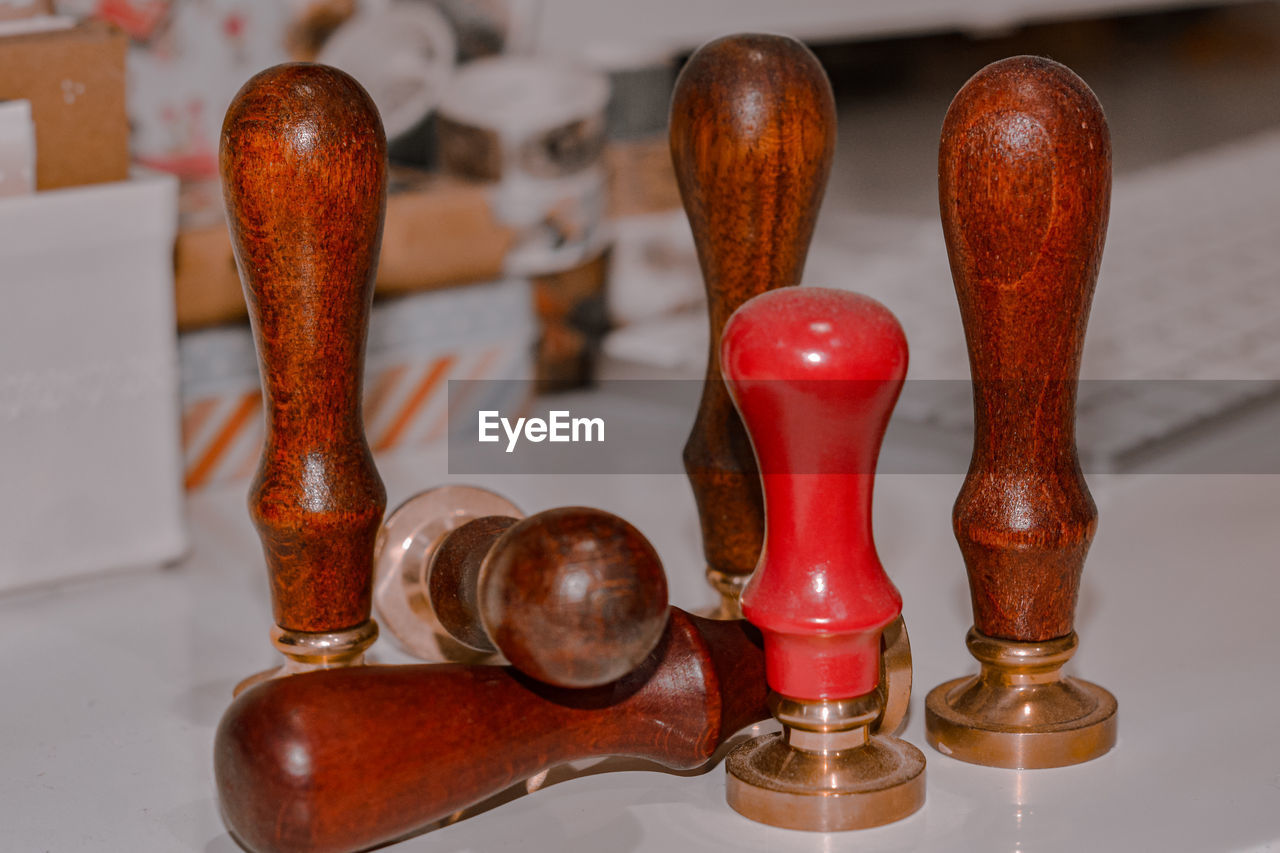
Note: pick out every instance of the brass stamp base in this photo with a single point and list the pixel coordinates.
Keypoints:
(408, 538)
(772, 782)
(306, 651)
(1020, 711)
(894, 689)
(825, 772)
(730, 587)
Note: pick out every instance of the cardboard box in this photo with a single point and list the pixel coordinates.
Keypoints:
(75, 81)
(438, 233)
(16, 10)
(89, 441)
(641, 177)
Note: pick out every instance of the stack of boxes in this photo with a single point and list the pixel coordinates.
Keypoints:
(491, 268)
(88, 371)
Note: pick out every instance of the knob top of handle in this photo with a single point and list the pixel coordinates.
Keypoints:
(752, 136)
(1024, 189)
(815, 374)
(303, 152)
(573, 597)
(752, 101)
(814, 334)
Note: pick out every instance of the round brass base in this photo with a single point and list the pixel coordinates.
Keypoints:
(978, 740)
(773, 782)
(306, 651)
(1020, 711)
(894, 688)
(408, 538)
(730, 587)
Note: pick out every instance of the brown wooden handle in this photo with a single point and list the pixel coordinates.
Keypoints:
(303, 161)
(752, 135)
(1024, 186)
(574, 596)
(345, 759)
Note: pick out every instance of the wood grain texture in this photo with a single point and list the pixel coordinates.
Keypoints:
(752, 136)
(1024, 187)
(303, 162)
(574, 597)
(346, 759)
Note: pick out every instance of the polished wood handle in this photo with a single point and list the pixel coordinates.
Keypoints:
(752, 135)
(574, 596)
(1024, 187)
(346, 759)
(815, 374)
(303, 162)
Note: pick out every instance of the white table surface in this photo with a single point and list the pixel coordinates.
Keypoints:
(113, 688)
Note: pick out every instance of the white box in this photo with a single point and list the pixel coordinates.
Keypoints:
(89, 441)
(17, 149)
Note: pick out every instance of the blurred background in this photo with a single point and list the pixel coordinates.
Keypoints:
(534, 229)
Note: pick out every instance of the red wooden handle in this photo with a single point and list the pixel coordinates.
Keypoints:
(752, 135)
(346, 759)
(303, 161)
(815, 374)
(1024, 185)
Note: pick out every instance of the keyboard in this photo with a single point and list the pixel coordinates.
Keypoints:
(1185, 325)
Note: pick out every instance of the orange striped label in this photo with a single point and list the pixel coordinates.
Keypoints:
(439, 369)
(404, 402)
(199, 473)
